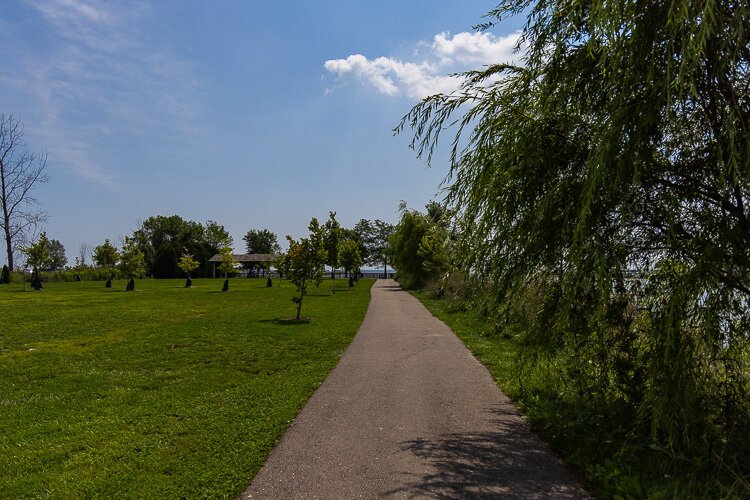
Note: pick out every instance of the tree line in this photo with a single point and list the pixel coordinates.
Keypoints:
(160, 245)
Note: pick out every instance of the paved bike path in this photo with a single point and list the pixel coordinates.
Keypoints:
(409, 413)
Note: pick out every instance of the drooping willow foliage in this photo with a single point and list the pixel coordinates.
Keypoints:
(603, 186)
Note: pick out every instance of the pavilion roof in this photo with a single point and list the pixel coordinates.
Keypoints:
(248, 257)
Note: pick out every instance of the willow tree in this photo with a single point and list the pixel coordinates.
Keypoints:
(608, 176)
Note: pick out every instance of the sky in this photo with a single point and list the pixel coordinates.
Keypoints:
(252, 114)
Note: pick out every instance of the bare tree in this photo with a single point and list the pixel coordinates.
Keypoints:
(84, 252)
(20, 172)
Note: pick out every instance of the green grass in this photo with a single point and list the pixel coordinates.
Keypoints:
(590, 440)
(163, 392)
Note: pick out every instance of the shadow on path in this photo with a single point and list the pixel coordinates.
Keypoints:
(510, 462)
(390, 287)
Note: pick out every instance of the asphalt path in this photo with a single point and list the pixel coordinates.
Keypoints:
(409, 413)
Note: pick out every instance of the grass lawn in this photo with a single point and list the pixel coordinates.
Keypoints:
(162, 392)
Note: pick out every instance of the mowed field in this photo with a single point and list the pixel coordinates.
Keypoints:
(163, 392)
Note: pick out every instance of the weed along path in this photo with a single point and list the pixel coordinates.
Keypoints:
(409, 412)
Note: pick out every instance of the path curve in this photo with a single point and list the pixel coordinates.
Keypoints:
(409, 413)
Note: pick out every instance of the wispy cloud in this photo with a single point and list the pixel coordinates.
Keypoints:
(99, 81)
(433, 63)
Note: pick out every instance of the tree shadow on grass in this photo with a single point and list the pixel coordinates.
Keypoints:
(287, 321)
(508, 462)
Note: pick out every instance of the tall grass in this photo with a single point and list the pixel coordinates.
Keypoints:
(595, 432)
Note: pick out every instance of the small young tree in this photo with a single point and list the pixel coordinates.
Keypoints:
(38, 256)
(132, 262)
(106, 256)
(305, 260)
(227, 264)
(318, 245)
(188, 264)
(282, 265)
(332, 237)
(350, 258)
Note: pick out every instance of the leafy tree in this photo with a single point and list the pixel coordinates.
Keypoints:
(227, 264)
(132, 262)
(434, 250)
(216, 236)
(58, 259)
(353, 235)
(188, 264)
(420, 245)
(349, 257)
(317, 239)
(106, 256)
(20, 172)
(363, 232)
(405, 247)
(261, 241)
(304, 262)
(619, 149)
(374, 236)
(38, 256)
(162, 240)
(282, 265)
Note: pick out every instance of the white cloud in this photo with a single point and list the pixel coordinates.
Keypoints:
(429, 73)
(72, 10)
(98, 82)
(475, 48)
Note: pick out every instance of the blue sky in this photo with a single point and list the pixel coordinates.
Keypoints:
(252, 114)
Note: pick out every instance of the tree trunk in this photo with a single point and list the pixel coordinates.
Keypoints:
(6, 218)
(9, 250)
(299, 306)
(8, 239)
